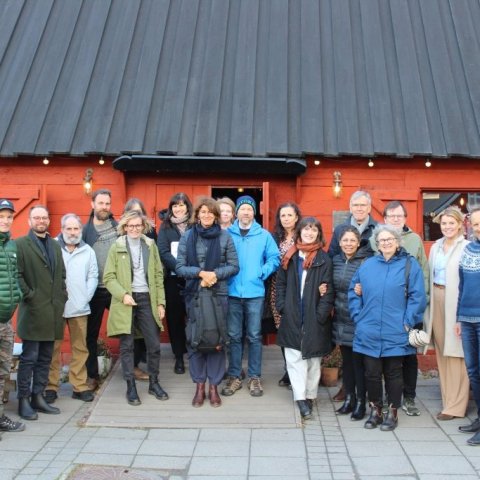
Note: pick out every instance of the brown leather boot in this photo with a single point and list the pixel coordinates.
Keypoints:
(215, 400)
(199, 397)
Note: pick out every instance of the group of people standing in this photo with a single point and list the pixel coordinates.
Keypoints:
(364, 294)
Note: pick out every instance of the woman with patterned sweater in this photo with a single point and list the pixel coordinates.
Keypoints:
(468, 318)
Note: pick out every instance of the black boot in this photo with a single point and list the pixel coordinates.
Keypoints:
(132, 395)
(154, 388)
(359, 410)
(305, 410)
(348, 404)
(25, 410)
(39, 404)
(390, 421)
(179, 365)
(375, 417)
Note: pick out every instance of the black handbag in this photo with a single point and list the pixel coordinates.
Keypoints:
(206, 329)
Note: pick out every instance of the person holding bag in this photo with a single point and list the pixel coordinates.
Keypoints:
(206, 259)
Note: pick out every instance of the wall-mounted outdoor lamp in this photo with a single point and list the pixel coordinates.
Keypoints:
(337, 184)
(88, 181)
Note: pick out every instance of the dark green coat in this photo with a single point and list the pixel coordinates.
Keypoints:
(9, 290)
(40, 313)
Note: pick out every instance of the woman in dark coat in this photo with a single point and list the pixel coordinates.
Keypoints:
(175, 223)
(305, 330)
(345, 264)
(206, 259)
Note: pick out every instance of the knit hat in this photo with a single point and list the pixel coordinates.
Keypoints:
(246, 200)
(6, 205)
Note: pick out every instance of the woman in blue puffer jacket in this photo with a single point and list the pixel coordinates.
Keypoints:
(383, 314)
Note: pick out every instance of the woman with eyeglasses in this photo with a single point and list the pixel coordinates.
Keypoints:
(391, 303)
(444, 262)
(134, 276)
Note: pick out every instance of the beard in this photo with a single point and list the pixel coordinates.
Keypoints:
(102, 215)
(72, 239)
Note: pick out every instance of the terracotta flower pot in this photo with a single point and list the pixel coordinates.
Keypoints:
(329, 376)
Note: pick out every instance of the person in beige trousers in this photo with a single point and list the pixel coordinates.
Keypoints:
(444, 260)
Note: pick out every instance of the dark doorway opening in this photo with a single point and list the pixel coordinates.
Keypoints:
(236, 192)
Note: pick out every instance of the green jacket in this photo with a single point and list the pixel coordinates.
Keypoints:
(10, 293)
(117, 278)
(40, 313)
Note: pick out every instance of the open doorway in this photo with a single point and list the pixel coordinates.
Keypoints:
(235, 192)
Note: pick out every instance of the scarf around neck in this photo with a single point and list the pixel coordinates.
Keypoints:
(211, 237)
(310, 249)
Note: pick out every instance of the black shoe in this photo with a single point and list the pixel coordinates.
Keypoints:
(7, 425)
(359, 411)
(154, 388)
(85, 396)
(179, 365)
(390, 420)
(375, 417)
(305, 410)
(25, 410)
(39, 404)
(50, 396)
(347, 406)
(132, 395)
(284, 381)
(472, 428)
(475, 440)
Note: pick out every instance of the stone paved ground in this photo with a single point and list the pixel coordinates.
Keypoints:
(327, 448)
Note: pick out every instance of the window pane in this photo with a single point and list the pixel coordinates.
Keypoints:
(435, 202)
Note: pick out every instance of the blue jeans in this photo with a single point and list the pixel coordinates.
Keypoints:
(471, 350)
(246, 311)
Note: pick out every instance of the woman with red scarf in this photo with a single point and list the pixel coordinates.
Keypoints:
(306, 328)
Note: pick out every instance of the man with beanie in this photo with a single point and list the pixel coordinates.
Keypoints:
(258, 258)
(10, 295)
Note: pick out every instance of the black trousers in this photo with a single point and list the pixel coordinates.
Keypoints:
(353, 372)
(143, 320)
(175, 313)
(33, 367)
(410, 375)
(100, 301)
(391, 369)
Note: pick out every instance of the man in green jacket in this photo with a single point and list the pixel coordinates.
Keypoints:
(41, 274)
(9, 297)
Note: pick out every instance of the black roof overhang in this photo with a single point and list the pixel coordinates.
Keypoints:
(200, 164)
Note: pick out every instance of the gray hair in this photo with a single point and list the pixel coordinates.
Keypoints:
(387, 228)
(360, 193)
(64, 219)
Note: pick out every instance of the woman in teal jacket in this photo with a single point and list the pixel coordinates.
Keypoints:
(383, 314)
(134, 276)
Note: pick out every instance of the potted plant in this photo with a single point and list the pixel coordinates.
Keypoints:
(104, 358)
(331, 365)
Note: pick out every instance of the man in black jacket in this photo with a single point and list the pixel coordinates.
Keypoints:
(100, 233)
(360, 218)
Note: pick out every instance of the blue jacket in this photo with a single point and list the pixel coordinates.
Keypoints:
(258, 257)
(468, 307)
(382, 312)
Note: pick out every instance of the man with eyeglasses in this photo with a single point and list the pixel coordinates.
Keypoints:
(41, 275)
(100, 233)
(360, 208)
(395, 214)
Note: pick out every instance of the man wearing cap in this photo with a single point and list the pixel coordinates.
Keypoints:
(10, 295)
(41, 275)
(258, 257)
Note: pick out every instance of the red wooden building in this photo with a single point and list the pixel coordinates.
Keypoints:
(269, 96)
